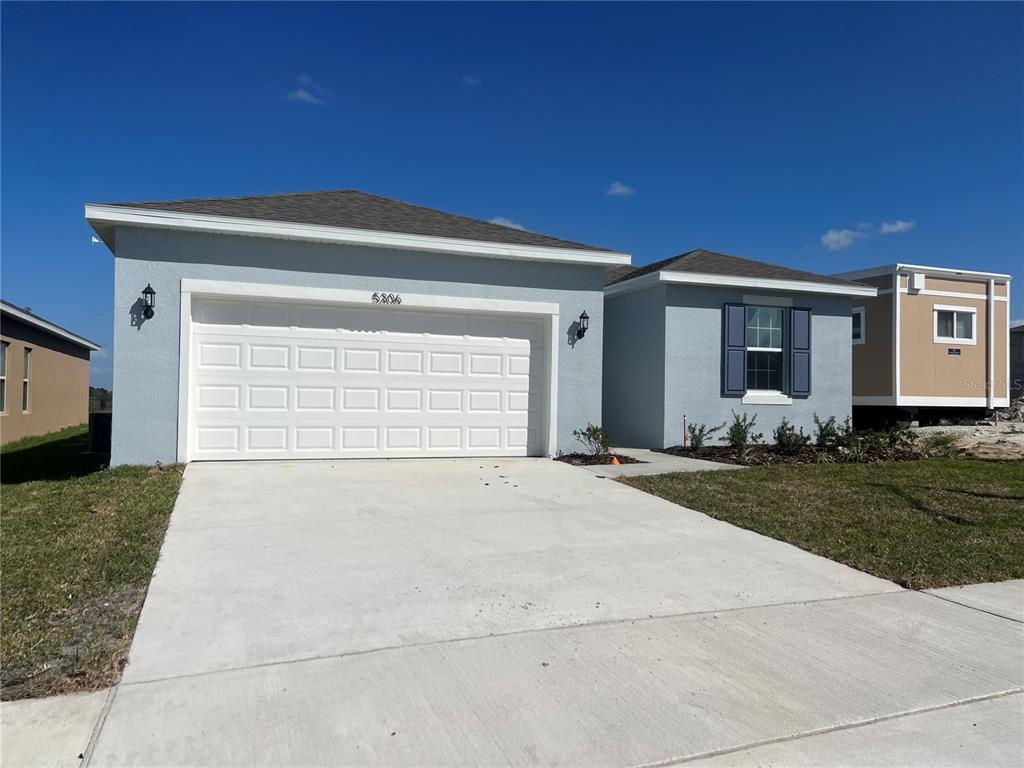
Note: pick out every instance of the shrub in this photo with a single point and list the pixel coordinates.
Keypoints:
(830, 434)
(596, 439)
(701, 432)
(899, 438)
(789, 439)
(741, 434)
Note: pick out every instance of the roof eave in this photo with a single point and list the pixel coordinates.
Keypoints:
(48, 327)
(735, 281)
(103, 218)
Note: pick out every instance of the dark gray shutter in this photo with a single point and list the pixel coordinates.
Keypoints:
(800, 352)
(734, 350)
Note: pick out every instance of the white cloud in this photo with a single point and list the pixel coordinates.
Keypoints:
(838, 239)
(618, 189)
(895, 227)
(506, 223)
(308, 91)
(471, 83)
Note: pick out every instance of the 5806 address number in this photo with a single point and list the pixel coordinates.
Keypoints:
(386, 298)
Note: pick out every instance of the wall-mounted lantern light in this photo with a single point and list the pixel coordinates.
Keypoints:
(581, 331)
(148, 301)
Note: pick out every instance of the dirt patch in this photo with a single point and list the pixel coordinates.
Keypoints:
(1003, 441)
(97, 635)
(592, 460)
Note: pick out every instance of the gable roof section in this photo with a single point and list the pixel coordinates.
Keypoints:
(336, 212)
(42, 324)
(701, 266)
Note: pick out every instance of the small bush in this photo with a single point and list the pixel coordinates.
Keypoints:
(701, 432)
(829, 434)
(741, 434)
(596, 439)
(899, 438)
(788, 439)
(939, 444)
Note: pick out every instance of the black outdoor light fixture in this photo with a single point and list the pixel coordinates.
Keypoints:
(148, 301)
(584, 324)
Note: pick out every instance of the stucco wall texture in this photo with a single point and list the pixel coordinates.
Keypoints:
(146, 355)
(690, 342)
(58, 383)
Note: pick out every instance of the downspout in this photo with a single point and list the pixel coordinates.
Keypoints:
(896, 361)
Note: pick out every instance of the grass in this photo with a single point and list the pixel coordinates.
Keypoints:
(922, 524)
(78, 548)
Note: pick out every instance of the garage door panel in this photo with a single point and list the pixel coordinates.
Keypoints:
(326, 391)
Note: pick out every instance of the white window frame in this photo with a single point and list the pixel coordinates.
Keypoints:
(766, 396)
(863, 328)
(26, 392)
(3, 376)
(937, 339)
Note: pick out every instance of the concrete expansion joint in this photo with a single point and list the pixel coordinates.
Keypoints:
(974, 608)
(91, 746)
(496, 635)
(831, 729)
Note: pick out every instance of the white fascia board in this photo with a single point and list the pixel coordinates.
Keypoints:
(767, 284)
(50, 328)
(113, 214)
(884, 269)
(949, 272)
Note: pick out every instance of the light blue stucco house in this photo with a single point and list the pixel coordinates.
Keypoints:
(340, 324)
(697, 337)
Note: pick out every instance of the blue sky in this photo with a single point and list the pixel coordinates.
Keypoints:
(820, 136)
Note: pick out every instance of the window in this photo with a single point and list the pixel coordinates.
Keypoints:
(858, 325)
(24, 380)
(955, 325)
(3, 376)
(764, 349)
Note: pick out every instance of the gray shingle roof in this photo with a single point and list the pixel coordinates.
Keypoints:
(712, 263)
(353, 209)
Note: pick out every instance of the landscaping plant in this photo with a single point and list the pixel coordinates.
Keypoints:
(741, 434)
(701, 432)
(789, 439)
(595, 438)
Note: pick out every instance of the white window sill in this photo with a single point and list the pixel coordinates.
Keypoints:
(955, 342)
(766, 398)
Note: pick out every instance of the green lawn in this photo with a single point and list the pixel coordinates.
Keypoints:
(929, 523)
(78, 549)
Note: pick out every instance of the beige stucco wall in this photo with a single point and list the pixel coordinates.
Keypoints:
(58, 389)
(926, 367)
(872, 360)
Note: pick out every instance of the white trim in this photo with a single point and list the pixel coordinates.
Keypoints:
(990, 343)
(886, 269)
(191, 287)
(897, 331)
(954, 340)
(952, 402)
(765, 397)
(863, 328)
(700, 278)
(770, 301)
(950, 294)
(47, 326)
(193, 222)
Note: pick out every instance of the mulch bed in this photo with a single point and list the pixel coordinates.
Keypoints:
(590, 459)
(762, 455)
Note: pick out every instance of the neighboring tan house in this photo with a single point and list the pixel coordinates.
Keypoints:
(933, 343)
(700, 336)
(340, 324)
(44, 375)
(1017, 361)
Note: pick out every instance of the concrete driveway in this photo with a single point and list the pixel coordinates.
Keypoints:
(521, 612)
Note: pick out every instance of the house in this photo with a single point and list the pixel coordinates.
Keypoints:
(699, 336)
(44, 375)
(343, 324)
(933, 343)
(1017, 361)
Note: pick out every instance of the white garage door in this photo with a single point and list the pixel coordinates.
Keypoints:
(274, 380)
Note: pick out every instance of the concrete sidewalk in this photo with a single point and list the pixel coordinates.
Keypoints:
(1002, 598)
(655, 463)
(52, 732)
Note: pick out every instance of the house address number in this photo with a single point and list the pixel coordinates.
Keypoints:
(386, 298)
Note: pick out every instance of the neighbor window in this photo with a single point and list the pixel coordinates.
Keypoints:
(24, 380)
(858, 325)
(955, 325)
(764, 349)
(3, 376)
